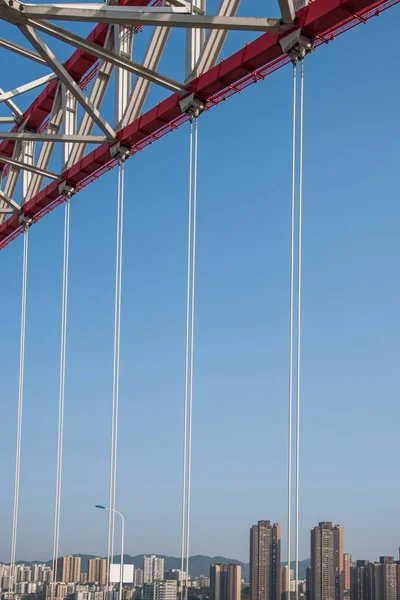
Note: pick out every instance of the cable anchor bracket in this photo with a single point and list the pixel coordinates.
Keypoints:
(192, 106)
(296, 45)
(66, 189)
(120, 152)
(25, 221)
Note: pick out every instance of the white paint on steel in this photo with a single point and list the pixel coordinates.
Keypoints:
(299, 290)
(66, 79)
(21, 379)
(22, 51)
(116, 367)
(69, 120)
(96, 97)
(123, 37)
(61, 396)
(45, 137)
(215, 40)
(7, 201)
(95, 50)
(27, 87)
(47, 147)
(130, 15)
(13, 107)
(29, 167)
(291, 330)
(141, 88)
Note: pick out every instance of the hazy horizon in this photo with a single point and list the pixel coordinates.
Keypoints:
(350, 325)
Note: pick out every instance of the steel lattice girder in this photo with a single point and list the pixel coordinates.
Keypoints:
(321, 20)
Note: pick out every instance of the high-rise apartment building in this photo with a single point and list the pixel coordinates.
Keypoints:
(285, 583)
(375, 581)
(338, 560)
(327, 571)
(308, 583)
(160, 590)
(68, 569)
(346, 571)
(367, 581)
(175, 575)
(153, 569)
(265, 561)
(138, 578)
(97, 571)
(225, 582)
(61, 591)
(389, 578)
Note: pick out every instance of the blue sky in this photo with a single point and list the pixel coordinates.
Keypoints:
(351, 327)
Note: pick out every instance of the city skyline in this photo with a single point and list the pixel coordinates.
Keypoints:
(332, 574)
(350, 327)
(372, 556)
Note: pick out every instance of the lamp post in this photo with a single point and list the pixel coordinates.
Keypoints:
(121, 579)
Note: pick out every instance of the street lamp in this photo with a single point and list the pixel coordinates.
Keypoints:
(122, 544)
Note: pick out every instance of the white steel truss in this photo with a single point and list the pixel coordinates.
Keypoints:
(76, 118)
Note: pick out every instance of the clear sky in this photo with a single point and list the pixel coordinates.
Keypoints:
(351, 327)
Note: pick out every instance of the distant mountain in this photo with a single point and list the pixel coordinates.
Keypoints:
(199, 564)
(303, 564)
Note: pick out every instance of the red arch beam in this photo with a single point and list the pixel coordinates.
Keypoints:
(322, 19)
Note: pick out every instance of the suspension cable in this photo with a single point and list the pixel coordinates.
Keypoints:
(291, 309)
(20, 407)
(116, 369)
(61, 403)
(298, 350)
(189, 353)
(187, 362)
(193, 282)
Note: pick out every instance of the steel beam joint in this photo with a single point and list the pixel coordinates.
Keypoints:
(296, 45)
(120, 152)
(66, 189)
(192, 106)
(25, 221)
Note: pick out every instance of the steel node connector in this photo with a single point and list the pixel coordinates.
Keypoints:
(67, 190)
(296, 45)
(25, 221)
(120, 152)
(192, 106)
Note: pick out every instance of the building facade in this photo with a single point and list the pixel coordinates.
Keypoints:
(153, 569)
(327, 568)
(347, 562)
(160, 590)
(285, 582)
(265, 561)
(375, 580)
(69, 569)
(97, 571)
(225, 582)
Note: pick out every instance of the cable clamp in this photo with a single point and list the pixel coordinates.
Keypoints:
(66, 189)
(296, 45)
(25, 221)
(120, 152)
(192, 106)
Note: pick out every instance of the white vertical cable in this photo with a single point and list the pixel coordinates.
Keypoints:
(187, 347)
(20, 406)
(298, 366)
(116, 369)
(111, 482)
(118, 344)
(61, 402)
(192, 313)
(290, 403)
